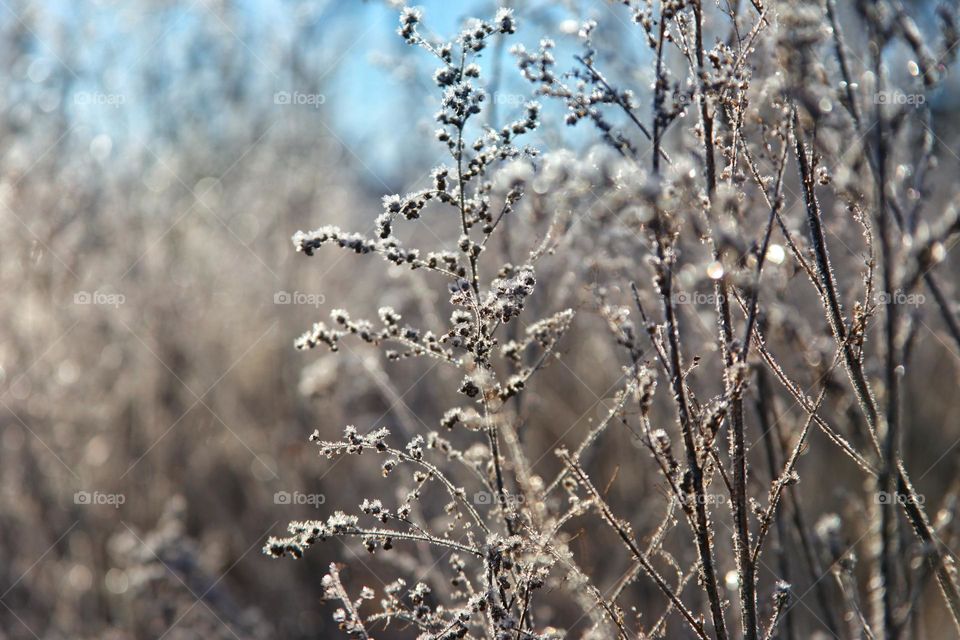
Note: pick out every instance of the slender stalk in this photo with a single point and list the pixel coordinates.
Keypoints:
(915, 513)
(745, 568)
(625, 535)
(891, 423)
(703, 531)
(770, 429)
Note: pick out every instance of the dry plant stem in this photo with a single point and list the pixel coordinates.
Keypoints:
(738, 486)
(917, 517)
(597, 596)
(779, 607)
(424, 537)
(627, 537)
(844, 66)
(354, 616)
(915, 513)
(811, 558)
(616, 96)
(701, 526)
(807, 405)
(624, 395)
(828, 283)
(543, 544)
(794, 249)
(655, 542)
(912, 603)
(745, 568)
(408, 618)
(755, 294)
(781, 482)
(659, 86)
(658, 150)
(858, 621)
(705, 116)
(451, 490)
(671, 481)
(949, 319)
(953, 326)
(922, 528)
(521, 471)
(651, 329)
(669, 477)
(493, 439)
(703, 530)
(656, 628)
(496, 76)
(465, 229)
(891, 432)
(771, 431)
(814, 567)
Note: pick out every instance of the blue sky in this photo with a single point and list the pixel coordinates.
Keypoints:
(123, 69)
(163, 59)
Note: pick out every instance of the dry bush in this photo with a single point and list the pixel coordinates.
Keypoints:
(665, 346)
(738, 273)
